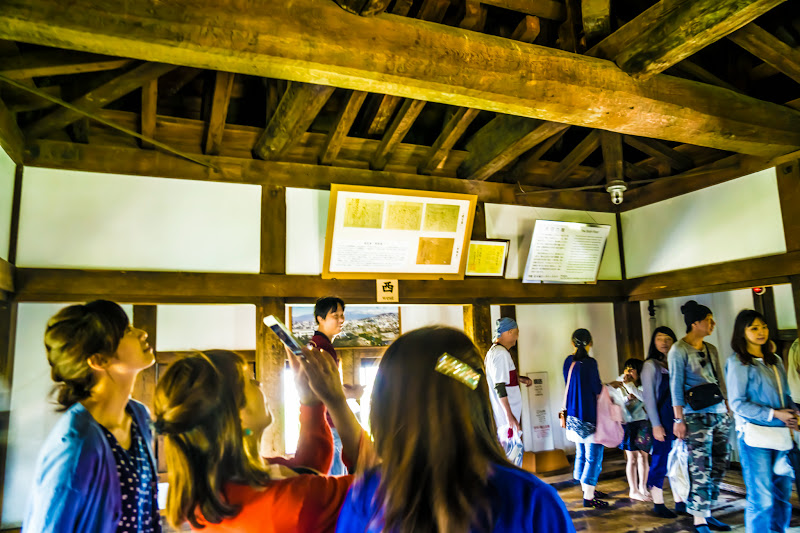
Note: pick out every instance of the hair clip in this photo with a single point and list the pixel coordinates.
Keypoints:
(458, 370)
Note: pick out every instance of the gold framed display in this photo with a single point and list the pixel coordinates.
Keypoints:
(487, 258)
(379, 232)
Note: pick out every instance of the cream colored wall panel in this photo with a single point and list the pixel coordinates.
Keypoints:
(515, 223)
(306, 222)
(205, 327)
(784, 306)
(419, 316)
(734, 220)
(110, 221)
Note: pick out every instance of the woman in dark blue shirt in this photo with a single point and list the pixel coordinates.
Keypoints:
(441, 466)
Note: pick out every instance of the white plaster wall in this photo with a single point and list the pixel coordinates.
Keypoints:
(110, 221)
(32, 408)
(734, 220)
(545, 341)
(7, 171)
(306, 223)
(205, 327)
(516, 223)
(784, 306)
(419, 316)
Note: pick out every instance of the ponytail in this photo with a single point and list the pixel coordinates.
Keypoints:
(581, 338)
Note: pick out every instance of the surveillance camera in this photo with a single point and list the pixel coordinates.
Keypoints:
(615, 188)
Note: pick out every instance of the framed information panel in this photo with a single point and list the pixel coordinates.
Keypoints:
(487, 258)
(565, 252)
(377, 232)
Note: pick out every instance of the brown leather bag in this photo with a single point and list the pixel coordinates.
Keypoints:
(562, 414)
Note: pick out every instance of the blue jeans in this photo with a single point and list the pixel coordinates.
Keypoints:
(767, 494)
(658, 463)
(337, 467)
(588, 462)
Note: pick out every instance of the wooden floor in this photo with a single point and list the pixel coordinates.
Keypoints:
(627, 516)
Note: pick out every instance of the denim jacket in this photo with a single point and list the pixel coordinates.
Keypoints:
(76, 488)
(689, 368)
(753, 392)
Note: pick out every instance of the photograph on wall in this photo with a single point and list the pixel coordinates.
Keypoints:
(487, 258)
(377, 232)
(565, 252)
(364, 325)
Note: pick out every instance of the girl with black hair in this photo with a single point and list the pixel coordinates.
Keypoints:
(759, 394)
(96, 471)
(637, 439)
(701, 413)
(583, 384)
(658, 404)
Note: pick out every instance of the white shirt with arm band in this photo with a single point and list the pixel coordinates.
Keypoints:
(500, 369)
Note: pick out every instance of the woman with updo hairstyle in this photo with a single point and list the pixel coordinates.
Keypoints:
(441, 466)
(584, 385)
(701, 413)
(204, 407)
(96, 471)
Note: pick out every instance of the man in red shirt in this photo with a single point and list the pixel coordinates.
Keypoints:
(329, 315)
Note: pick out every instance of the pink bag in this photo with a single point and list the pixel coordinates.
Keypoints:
(609, 431)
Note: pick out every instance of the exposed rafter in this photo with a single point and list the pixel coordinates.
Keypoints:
(672, 30)
(659, 150)
(223, 85)
(576, 157)
(57, 62)
(405, 118)
(450, 135)
(345, 119)
(769, 49)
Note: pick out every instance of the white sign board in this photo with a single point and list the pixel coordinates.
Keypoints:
(565, 252)
(539, 429)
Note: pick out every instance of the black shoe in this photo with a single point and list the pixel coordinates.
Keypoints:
(660, 510)
(595, 503)
(680, 509)
(716, 525)
(600, 494)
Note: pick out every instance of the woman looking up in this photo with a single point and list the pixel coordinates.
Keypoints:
(96, 471)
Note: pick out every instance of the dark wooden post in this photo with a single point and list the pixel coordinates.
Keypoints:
(789, 192)
(478, 324)
(628, 329)
(8, 323)
(144, 317)
(510, 311)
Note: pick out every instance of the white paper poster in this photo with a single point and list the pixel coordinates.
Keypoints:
(565, 252)
(539, 428)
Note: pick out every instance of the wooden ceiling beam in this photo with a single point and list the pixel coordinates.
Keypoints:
(613, 162)
(596, 16)
(405, 118)
(530, 159)
(701, 74)
(769, 49)
(386, 105)
(450, 135)
(548, 9)
(578, 154)
(402, 7)
(352, 53)
(98, 98)
(56, 63)
(659, 150)
(11, 138)
(223, 85)
(149, 112)
(365, 8)
(7, 271)
(342, 124)
(473, 16)
(433, 10)
(133, 161)
(527, 30)
(34, 284)
(672, 30)
(635, 172)
(500, 142)
(296, 111)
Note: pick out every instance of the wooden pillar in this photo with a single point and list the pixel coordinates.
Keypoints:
(796, 297)
(628, 329)
(789, 191)
(144, 317)
(510, 311)
(478, 324)
(8, 323)
(270, 363)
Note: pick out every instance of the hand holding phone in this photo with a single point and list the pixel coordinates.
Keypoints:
(284, 335)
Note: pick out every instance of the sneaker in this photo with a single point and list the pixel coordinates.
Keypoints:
(660, 510)
(595, 503)
(680, 509)
(600, 494)
(716, 525)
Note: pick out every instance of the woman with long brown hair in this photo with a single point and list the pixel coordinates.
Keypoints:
(441, 466)
(216, 481)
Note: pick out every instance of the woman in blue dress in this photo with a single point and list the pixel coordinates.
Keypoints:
(441, 466)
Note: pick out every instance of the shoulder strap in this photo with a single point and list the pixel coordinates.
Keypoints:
(780, 383)
(711, 361)
(569, 377)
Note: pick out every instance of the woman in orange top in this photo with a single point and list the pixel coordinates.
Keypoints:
(215, 481)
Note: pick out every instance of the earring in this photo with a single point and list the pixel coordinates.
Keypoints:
(248, 432)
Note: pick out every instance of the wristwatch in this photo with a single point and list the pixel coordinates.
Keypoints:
(677, 420)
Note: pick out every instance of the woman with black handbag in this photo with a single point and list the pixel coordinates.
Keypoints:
(765, 415)
(701, 413)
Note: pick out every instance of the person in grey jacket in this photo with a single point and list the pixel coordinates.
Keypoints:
(705, 425)
(759, 396)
